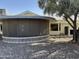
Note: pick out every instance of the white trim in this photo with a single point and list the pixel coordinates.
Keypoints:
(4, 37)
(24, 42)
(8, 39)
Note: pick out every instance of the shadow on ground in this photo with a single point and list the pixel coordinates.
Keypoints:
(39, 50)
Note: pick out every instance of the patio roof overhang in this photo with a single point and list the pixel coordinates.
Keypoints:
(26, 17)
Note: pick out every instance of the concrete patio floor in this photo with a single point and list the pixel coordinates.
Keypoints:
(60, 40)
(40, 50)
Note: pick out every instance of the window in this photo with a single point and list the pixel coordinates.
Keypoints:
(71, 32)
(54, 27)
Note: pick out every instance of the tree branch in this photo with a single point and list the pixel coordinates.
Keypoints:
(68, 21)
(69, 17)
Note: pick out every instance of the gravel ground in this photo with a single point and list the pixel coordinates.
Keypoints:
(39, 50)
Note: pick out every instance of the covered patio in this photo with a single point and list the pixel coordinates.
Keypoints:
(25, 27)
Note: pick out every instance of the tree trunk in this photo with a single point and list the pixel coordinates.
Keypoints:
(75, 29)
(74, 26)
(75, 32)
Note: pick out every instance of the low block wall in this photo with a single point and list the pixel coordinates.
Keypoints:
(25, 39)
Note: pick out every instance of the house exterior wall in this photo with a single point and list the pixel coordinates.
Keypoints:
(53, 32)
(25, 28)
(62, 25)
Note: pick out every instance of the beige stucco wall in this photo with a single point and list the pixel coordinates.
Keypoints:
(53, 32)
(63, 24)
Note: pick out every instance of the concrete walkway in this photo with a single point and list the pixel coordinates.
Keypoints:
(40, 50)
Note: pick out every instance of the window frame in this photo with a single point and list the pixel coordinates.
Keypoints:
(54, 27)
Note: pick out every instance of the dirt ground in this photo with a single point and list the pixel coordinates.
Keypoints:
(39, 50)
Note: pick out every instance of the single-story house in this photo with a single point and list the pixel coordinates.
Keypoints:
(29, 24)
